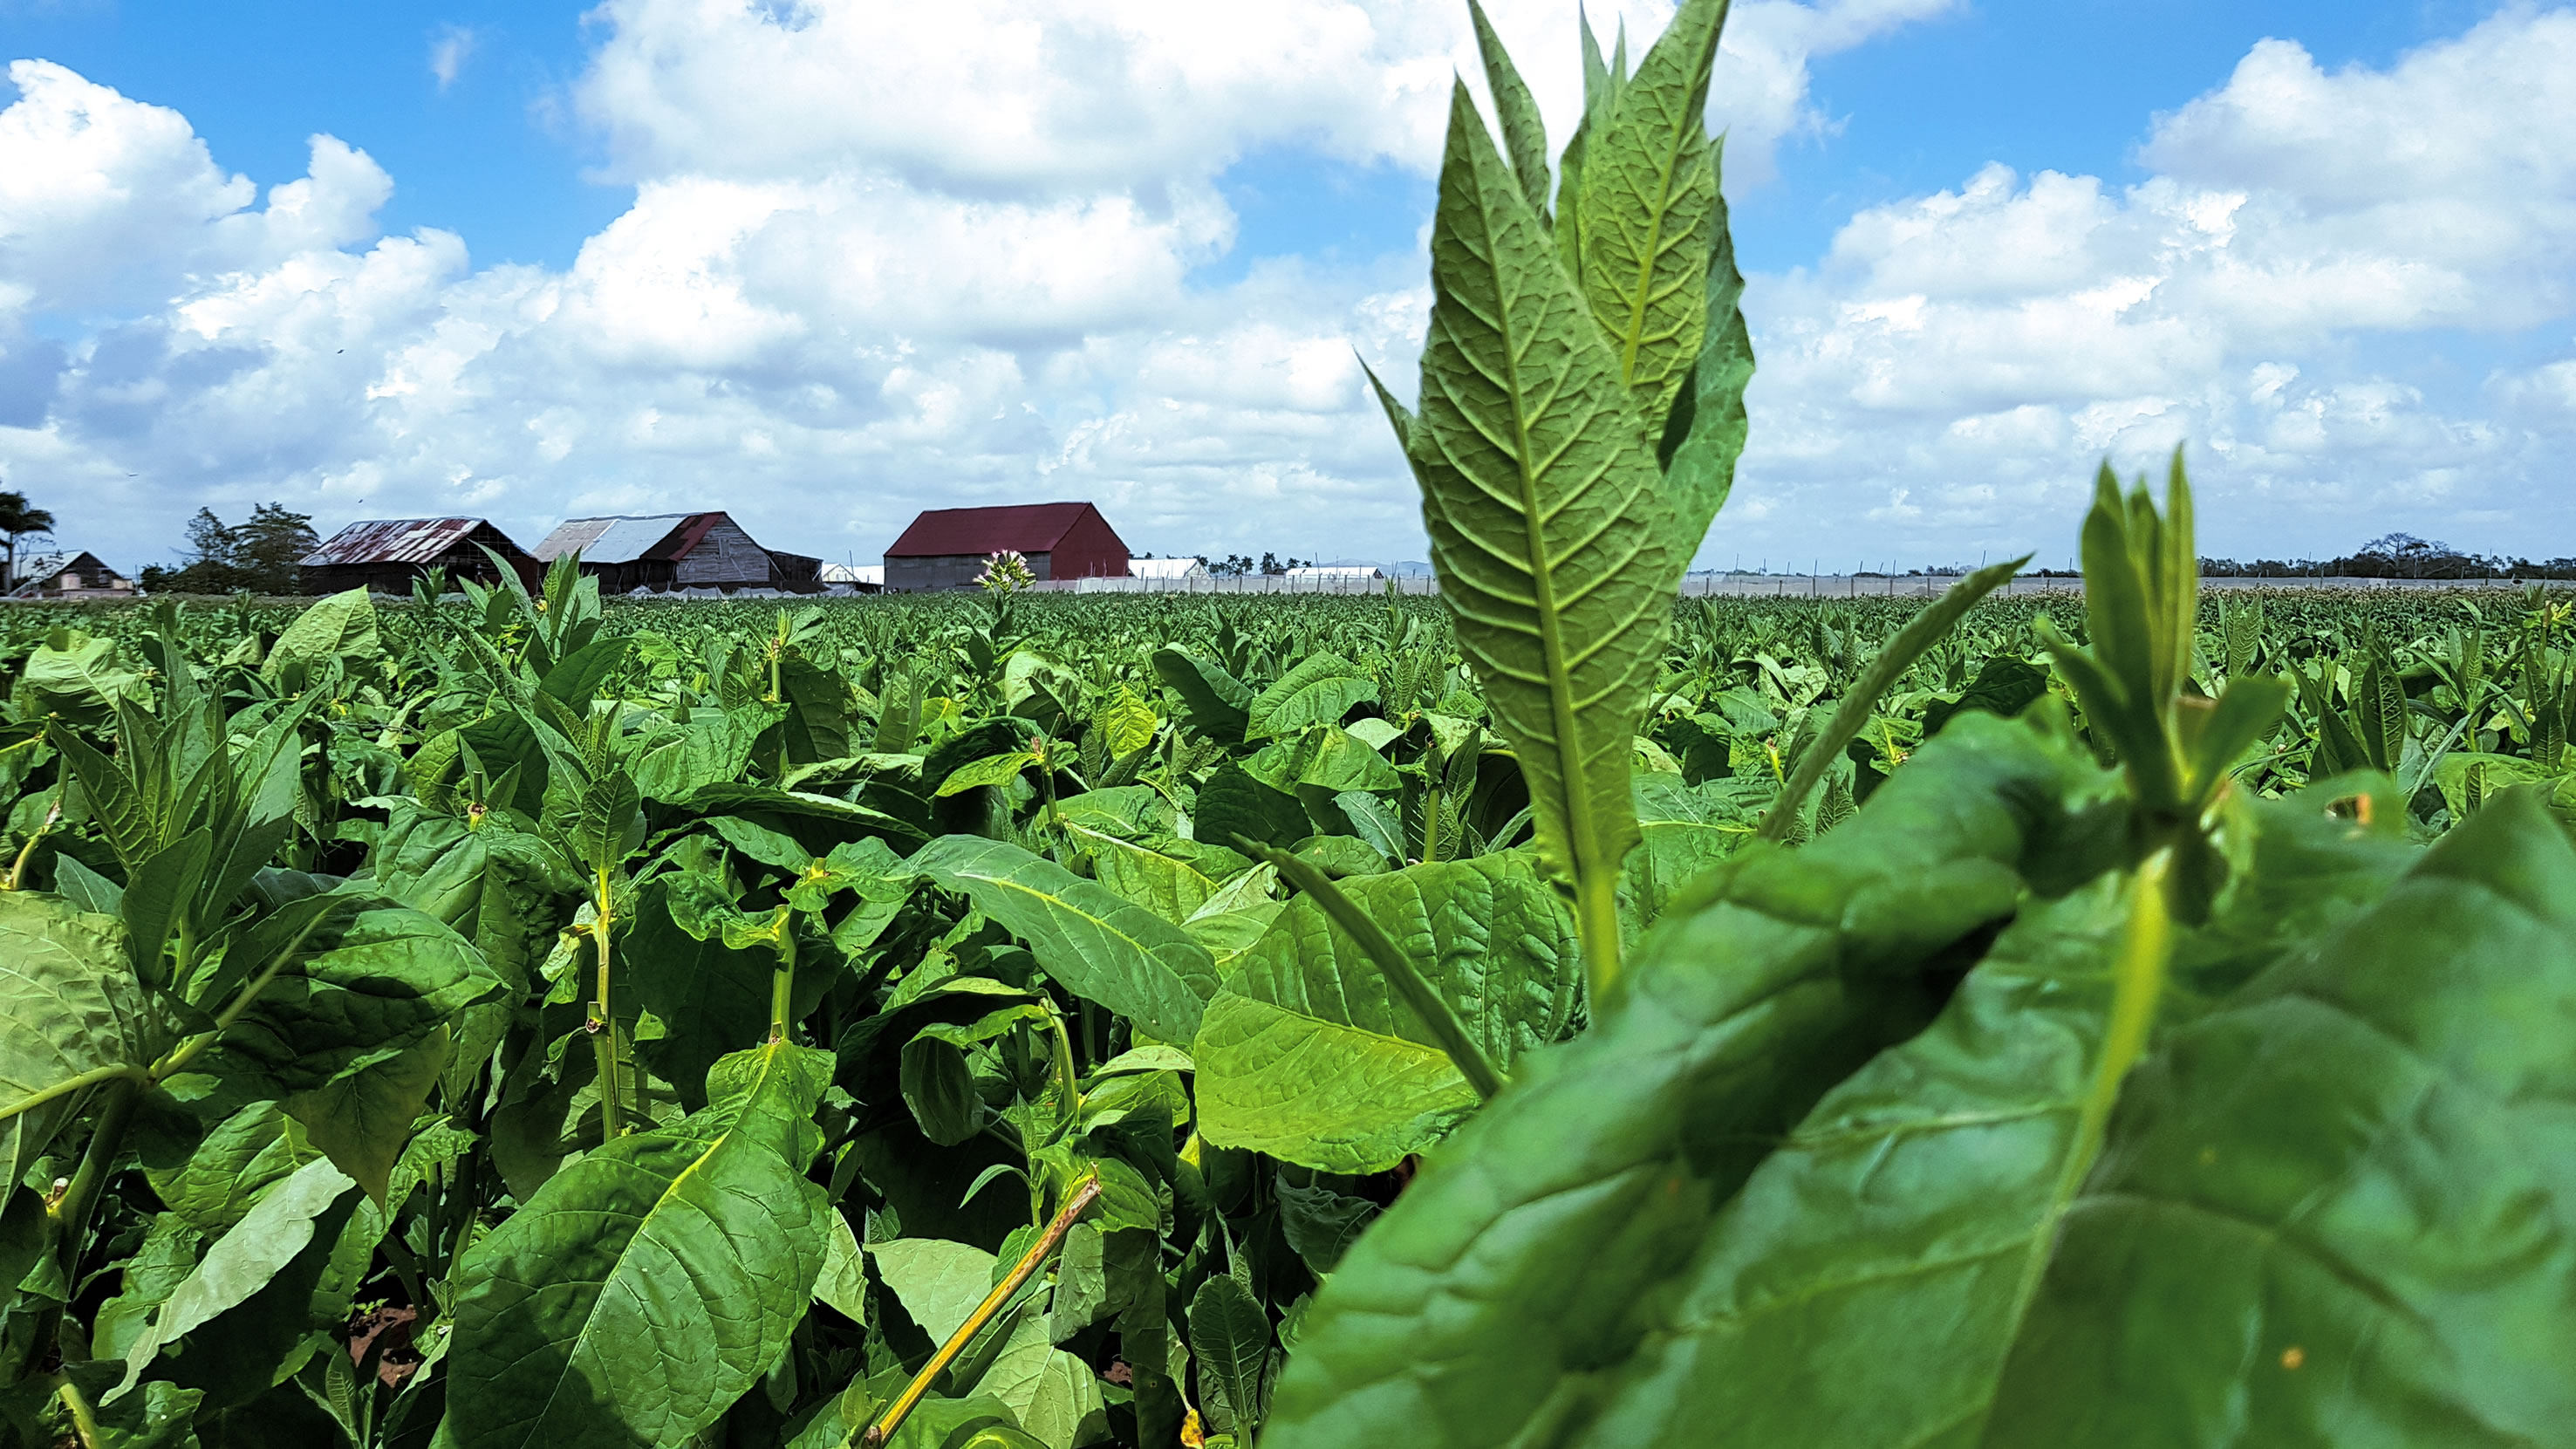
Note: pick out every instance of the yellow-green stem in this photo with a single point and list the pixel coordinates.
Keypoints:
(18, 868)
(1596, 924)
(782, 981)
(1083, 1195)
(612, 1105)
(84, 1420)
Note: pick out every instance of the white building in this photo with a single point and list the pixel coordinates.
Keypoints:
(1335, 573)
(1166, 568)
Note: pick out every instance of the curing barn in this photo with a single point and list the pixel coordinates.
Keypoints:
(386, 554)
(946, 547)
(677, 551)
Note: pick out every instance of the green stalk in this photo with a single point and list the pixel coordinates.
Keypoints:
(189, 1050)
(83, 1082)
(1921, 632)
(883, 1429)
(603, 1029)
(84, 1419)
(18, 868)
(2137, 989)
(1436, 1015)
(107, 1139)
(782, 981)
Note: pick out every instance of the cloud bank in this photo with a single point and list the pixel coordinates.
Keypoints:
(868, 269)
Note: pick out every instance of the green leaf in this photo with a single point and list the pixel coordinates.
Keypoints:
(370, 984)
(2326, 1203)
(1535, 1232)
(1310, 1054)
(1319, 690)
(1101, 947)
(938, 1282)
(1230, 1339)
(79, 679)
(570, 1330)
(70, 1013)
(1127, 723)
(1055, 1396)
(1320, 1223)
(1649, 202)
(1704, 434)
(577, 678)
(1524, 134)
(708, 998)
(159, 890)
(248, 1151)
(362, 1120)
(990, 770)
(939, 1087)
(1233, 803)
(342, 626)
(1548, 530)
(242, 1261)
(611, 824)
(843, 1283)
(1168, 887)
(1220, 705)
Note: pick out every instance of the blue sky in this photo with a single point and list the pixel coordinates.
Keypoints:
(797, 261)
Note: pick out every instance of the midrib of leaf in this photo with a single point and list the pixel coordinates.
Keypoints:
(2137, 987)
(643, 1220)
(1642, 299)
(1583, 842)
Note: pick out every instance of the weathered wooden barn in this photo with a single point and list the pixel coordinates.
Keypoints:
(68, 576)
(386, 554)
(945, 548)
(677, 551)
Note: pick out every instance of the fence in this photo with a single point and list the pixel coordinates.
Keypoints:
(1737, 585)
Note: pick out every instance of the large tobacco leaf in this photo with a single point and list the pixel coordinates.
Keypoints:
(1309, 1054)
(1541, 493)
(2334, 1209)
(645, 1287)
(1513, 1263)
(370, 983)
(70, 1012)
(2313, 1218)
(1101, 946)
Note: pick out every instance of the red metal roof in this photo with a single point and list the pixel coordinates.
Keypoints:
(1019, 527)
(398, 540)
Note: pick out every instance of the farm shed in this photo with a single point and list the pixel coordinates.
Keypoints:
(386, 554)
(945, 548)
(858, 578)
(1166, 568)
(68, 576)
(677, 551)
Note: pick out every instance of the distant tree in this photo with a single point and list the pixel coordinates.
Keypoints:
(18, 518)
(1270, 563)
(260, 554)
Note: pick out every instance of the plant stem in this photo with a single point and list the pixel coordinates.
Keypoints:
(1083, 1195)
(612, 1107)
(188, 1051)
(1437, 1017)
(782, 981)
(84, 1419)
(70, 1085)
(106, 1140)
(18, 868)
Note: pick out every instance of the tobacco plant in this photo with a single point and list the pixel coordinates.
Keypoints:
(1549, 1013)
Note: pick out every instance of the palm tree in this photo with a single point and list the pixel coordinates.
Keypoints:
(17, 518)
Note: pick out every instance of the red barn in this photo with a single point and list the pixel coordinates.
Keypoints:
(946, 547)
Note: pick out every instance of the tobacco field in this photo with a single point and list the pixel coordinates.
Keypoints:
(1547, 1013)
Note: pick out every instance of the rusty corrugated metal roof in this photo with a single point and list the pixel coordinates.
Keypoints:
(394, 540)
(1019, 527)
